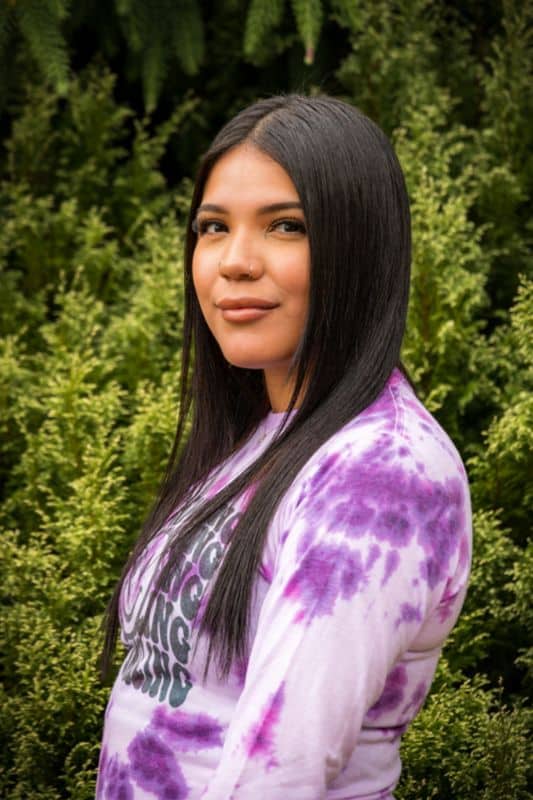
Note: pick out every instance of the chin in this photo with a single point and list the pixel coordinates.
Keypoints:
(248, 360)
(244, 363)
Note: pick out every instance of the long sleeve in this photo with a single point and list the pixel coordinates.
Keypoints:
(362, 576)
(371, 564)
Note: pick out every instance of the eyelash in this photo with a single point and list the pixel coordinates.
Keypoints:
(200, 226)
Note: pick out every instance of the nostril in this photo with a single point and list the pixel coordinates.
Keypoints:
(246, 269)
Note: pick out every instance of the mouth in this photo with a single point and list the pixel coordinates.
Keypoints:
(244, 309)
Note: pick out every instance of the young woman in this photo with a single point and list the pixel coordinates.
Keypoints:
(308, 554)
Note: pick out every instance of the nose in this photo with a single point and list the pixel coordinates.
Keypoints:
(241, 270)
(238, 262)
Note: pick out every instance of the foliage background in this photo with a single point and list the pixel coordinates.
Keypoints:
(104, 111)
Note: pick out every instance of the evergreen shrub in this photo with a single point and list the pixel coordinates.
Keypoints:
(90, 314)
(90, 305)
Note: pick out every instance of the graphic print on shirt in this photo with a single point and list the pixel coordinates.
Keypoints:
(158, 634)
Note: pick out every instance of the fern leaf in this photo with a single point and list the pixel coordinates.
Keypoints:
(308, 15)
(6, 23)
(187, 33)
(152, 30)
(153, 72)
(263, 16)
(39, 23)
(135, 20)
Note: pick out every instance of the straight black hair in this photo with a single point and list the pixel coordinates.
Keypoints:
(356, 210)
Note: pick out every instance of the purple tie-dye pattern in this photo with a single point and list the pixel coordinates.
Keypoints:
(447, 604)
(393, 527)
(392, 561)
(260, 739)
(113, 779)
(186, 731)
(154, 768)
(384, 403)
(404, 504)
(440, 536)
(387, 492)
(322, 473)
(373, 555)
(283, 537)
(409, 613)
(265, 572)
(152, 752)
(102, 763)
(359, 516)
(326, 572)
(393, 693)
(383, 504)
(418, 697)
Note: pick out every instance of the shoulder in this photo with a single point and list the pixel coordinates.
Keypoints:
(393, 447)
(391, 477)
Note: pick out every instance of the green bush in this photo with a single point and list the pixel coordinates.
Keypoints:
(90, 355)
(90, 315)
(467, 744)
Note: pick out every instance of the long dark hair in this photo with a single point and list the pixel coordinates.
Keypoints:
(356, 209)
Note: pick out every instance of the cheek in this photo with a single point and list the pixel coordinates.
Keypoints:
(297, 291)
(196, 277)
(201, 282)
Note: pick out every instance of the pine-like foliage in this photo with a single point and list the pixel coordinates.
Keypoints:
(90, 301)
(159, 34)
(466, 743)
(162, 34)
(503, 467)
(90, 313)
(160, 37)
(308, 15)
(393, 55)
(469, 354)
(40, 24)
(443, 346)
(262, 17)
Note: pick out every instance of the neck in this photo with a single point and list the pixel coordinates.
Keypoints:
(279, 387)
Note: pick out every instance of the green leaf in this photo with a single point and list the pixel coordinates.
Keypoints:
(308, 15)
(188, 36)
(262, 17)
(39, 23)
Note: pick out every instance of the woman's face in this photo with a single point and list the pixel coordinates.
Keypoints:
(251, 265)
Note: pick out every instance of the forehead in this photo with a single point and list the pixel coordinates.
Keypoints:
(246, 173)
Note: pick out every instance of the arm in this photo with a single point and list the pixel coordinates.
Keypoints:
(354, 584)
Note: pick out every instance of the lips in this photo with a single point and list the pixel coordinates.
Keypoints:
(228, 303)
(245, 309)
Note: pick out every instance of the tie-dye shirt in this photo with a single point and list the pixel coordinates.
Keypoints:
(362, 577)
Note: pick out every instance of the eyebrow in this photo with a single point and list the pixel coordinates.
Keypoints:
(263, 210)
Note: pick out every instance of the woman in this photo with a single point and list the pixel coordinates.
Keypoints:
(285, 606)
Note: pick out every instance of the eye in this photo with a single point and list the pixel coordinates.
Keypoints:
(208, 226)
(291, 225)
